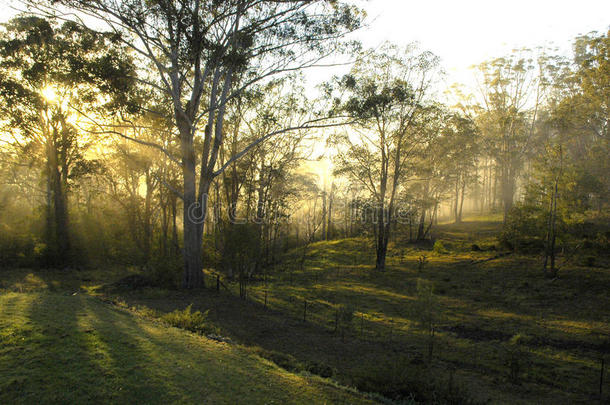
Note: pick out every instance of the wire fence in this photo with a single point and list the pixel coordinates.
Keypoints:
(346, 321)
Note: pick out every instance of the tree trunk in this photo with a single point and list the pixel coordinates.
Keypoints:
(324, 215)
(57, 210)
(329, 218)
(456, 218)
(175, 244)
(462, 200)
(421, 225)
(193, 217)
(148, 218)
(382, 243)
(508, 191)
(552, 234)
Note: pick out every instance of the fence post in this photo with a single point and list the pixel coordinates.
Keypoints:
(451, 371)
(361, 325)
(336, 320)
(601, 379)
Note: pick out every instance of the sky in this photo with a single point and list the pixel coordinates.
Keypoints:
(464, 32)
(467, 32)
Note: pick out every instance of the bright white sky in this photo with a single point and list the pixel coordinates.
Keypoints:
(467, 32)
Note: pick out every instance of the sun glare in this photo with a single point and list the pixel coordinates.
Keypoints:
(49, 94)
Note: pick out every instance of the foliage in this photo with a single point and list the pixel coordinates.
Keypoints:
(49, 355)
(517, 359)
(387, 94)
(192, 321)
(402, 379)
(241, 251)
(524, 228)
(344, 319)
(439, 247)
(165, 272)
(427, 312)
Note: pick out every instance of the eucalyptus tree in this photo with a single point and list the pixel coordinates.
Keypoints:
(580, 113)
(387, 94)
(45, 71)
(512, 91)
(260, 186)
(204, 53)
(461, 152)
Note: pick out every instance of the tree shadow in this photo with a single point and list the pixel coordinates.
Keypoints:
(78, 349)
(79, 355)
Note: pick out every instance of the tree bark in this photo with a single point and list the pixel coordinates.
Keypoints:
(193, 215)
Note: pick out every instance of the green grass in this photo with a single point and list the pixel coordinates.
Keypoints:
(64, 348)
(560, 325)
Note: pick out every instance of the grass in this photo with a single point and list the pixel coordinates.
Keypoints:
(506, 335)
(64, 348)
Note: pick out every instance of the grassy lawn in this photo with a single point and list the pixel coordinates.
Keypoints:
(64, 348)
(495, 310)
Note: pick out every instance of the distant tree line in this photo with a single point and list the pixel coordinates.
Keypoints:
(181, 137)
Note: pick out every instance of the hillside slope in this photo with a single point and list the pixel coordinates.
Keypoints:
(62, 348)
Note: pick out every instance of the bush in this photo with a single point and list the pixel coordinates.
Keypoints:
(289, 363)
(19, 250)
(165, 272)
(283, 360)
(439, 247)
(192, 321)
(321, 369)
(401, 379)
(345, 317)
(523, 224)
(427, 312)
(589, 261)
(240, 253)
(516, 358)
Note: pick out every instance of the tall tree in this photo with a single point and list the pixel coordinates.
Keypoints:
(387, 94)
(512, 90)
(580, 113)
(45, 70)
(202, 54)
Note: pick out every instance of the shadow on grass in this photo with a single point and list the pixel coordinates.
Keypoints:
(73, 352)
(76, 349)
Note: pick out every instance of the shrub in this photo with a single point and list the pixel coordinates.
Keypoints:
(345, 316)
(517, 359)
(289, 363)
(427, 311)
(192, 321)
(401, 379)
(165, 272)
(321, 369)
(240, 253)
(421, 263)
(19, 250)
(283, 360)
(589, 261)
(439, 247)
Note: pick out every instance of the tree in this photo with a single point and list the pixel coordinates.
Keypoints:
(579, 113)
(460, 152)
(427, 312)
(512, 90)
(45, 71)
(202, 54)
(387, 96)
